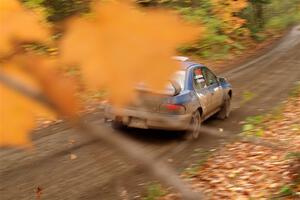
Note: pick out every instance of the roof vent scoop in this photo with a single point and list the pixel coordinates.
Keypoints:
(181, 58)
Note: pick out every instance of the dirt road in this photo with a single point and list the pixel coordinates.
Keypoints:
(97, 172)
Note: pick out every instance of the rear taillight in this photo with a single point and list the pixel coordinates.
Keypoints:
(172, 108)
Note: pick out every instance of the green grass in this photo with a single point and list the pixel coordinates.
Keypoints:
(293, 155)
(296, 90)
(286, 190)
(154, 192)
(254, 126)
(284, 20)
(256, 120)
(295, 127)
(247, 96)
(276, 113)
(193, 170)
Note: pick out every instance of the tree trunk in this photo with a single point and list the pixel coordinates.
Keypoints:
(258, 15)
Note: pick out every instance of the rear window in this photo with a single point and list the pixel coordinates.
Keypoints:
(179, 77)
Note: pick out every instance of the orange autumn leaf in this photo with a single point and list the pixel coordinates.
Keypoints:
(119, 45)
(58, 89)
(18, 24)
(17, 112)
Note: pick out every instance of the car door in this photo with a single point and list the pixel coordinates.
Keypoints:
(201, 90)
(214, 89)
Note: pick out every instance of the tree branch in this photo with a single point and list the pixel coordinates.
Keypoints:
(117, 141)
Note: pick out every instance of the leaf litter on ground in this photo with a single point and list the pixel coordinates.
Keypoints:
(241, 170)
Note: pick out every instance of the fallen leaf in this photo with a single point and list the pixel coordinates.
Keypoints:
(38, 192)
(73, 156)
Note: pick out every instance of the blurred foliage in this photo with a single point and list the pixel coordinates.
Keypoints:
(215, 41)
(293, 155)
(296, 90)
(56, 10)
(247, 96)
(263, 17)
(254, 23)
(271, 15)
(254, 126)
(193, 170)
(154, 192)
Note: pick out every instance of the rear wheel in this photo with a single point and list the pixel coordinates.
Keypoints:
(117, 124)
(194, 126)
(225, 109)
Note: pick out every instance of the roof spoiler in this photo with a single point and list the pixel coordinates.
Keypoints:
(180, 58)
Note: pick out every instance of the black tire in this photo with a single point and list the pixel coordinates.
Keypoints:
(225, 109)
(118, 125)
(194, 126)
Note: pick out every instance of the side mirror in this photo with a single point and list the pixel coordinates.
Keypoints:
(177, 87)
(222, 79)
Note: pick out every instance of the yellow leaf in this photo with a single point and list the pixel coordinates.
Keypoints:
(73, 156)
(17, 24)
(60, 90)
(18, 113)
(119, 45)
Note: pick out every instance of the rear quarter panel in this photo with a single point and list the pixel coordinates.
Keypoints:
(187, 98)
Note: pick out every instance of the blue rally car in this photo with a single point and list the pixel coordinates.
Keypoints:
(194, 94)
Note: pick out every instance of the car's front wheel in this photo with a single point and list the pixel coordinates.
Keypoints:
(194, 126)
(225, 109)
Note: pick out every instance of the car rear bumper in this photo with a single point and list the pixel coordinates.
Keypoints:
(146, 120)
